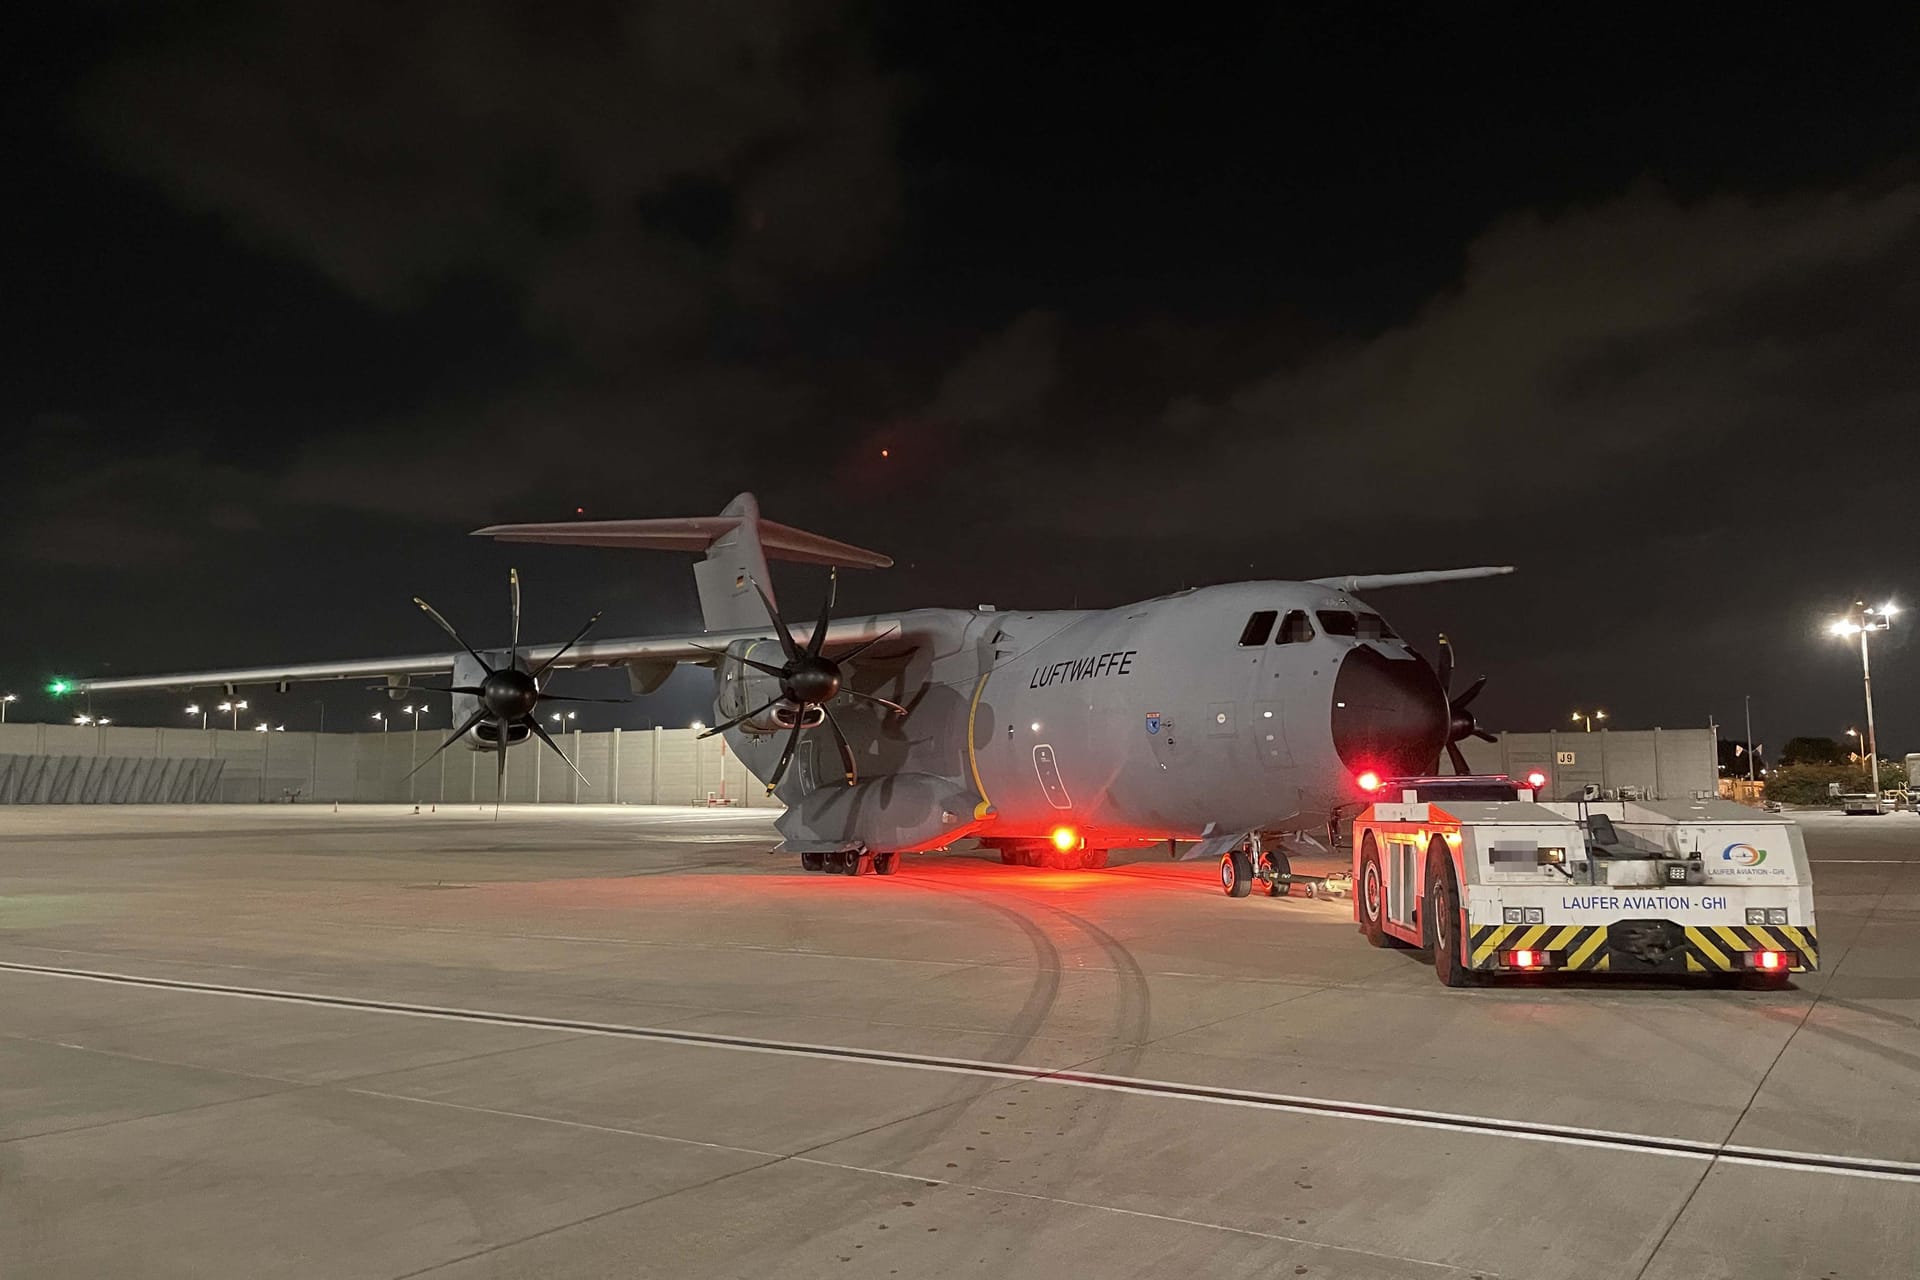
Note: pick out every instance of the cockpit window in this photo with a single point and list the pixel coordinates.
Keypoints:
(1258, 627)
(1338, 622)
(1374, 627)
(1296, 629)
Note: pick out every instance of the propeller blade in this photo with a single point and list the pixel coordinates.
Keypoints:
(786, 757)
(826, 615)
(1483, 735)
(894, 707)
(513, 581)
(534, 725)
(786, 637)
(561, 697)
(568, 645)
(457, 734)
(1473, 691)
(724, 656)
(500, 775)
(448, 628)
(1446, 665)
(438, 688)
(865, 645)
(1459, 759)
(722, 728)
(846, 750)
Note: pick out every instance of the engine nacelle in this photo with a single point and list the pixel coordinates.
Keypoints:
(485, 736)
(738, 688)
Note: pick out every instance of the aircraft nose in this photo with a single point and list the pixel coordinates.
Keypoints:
(1389, 715)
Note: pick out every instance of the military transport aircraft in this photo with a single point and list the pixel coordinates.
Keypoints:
(1228, 717)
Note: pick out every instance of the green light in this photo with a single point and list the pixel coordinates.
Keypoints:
(60, 688)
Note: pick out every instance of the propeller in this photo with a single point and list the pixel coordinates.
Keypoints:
(1460, 722)
(808, 678)
(509, 695)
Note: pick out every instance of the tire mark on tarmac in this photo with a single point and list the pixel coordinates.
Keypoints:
(921, 1131)
(1817, 1162)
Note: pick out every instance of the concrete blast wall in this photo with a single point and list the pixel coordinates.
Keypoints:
(91, 764)
(1669, 764)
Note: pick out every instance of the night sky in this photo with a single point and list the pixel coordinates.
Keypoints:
(299, 294)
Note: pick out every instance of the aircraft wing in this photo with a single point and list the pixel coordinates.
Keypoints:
(654, 655)
(1418, 578)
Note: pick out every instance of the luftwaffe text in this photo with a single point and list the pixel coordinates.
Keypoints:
(1101, 664)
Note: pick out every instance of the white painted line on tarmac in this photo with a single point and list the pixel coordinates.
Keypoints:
(1331, 1108)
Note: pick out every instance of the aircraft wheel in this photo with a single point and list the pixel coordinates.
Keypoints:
(833, 863)
(850, 864)
(1277, 867)
(1032, 857)
(1010, 857)
(1371, 894)
(1092, 859)
(1236, 873)
(884, 863)
(812, 861)
(1447, 924)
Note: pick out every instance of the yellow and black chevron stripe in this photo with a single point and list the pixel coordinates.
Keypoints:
(1716, 948)
(1710, 948)
(1578, 946)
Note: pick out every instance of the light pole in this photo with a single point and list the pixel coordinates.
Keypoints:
(1582, 717)
(7, 700)
(195, 709)
(382, 718)
(1865, 621)
(236, 708)
(413, 745)
(83, 719)
(558, 718)
(1749, 701)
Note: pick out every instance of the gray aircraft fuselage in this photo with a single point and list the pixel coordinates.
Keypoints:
(1178, 717)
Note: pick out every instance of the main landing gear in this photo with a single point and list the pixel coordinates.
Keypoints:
(1045, 855)
(850, 864)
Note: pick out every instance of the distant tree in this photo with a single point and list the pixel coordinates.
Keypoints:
(1809, 783)
(1733, 759)
(1813, 751)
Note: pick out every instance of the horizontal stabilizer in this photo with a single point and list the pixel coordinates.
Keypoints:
(1418, 578)
(690, 533)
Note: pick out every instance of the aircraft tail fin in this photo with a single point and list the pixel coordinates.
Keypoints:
(736, 544)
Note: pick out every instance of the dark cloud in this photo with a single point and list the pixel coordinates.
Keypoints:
(629, 167)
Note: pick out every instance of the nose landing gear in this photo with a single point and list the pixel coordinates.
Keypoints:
(1253, 863)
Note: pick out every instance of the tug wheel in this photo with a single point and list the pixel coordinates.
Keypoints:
(1371, 895)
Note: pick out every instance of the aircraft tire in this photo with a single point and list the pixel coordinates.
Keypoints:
(1093, 859)
(884, 863)
(1236, 873)
(850, 863)
(812, 861)
(1371, 895)
(1278, 866)
(1446, 923)
(1010, 857)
